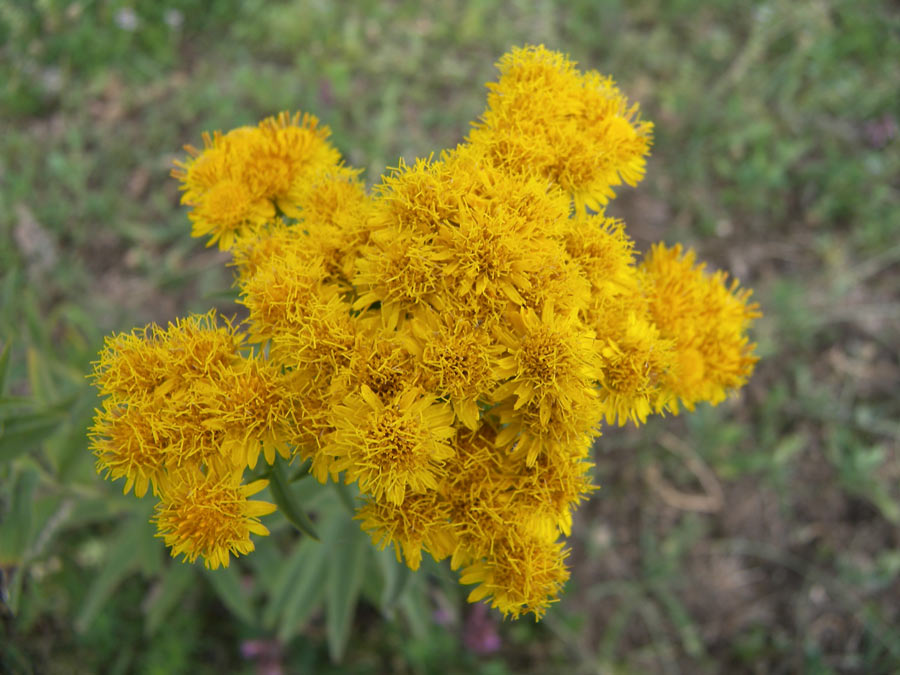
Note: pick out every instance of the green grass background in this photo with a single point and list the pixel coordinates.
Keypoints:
(776, 155)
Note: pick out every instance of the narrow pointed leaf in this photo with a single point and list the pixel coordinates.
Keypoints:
(174, 585)
(307, 592)
(4, 364)
(302, 471)
(395, 577)
(121, 559)
(681, 619)
(345, 571)
(347, 495)
(16, 525)
(19, 436)
(287, 502)
(417, 614)
(39, 379)
(227, 585)
(286, 579)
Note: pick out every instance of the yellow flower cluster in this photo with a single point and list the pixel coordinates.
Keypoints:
(242, 180)
(574, 128)
(451, 342)
(184, 413)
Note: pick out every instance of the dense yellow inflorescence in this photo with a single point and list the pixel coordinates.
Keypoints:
(451, 342)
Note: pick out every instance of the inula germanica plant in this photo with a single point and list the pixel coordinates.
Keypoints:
(451, 341)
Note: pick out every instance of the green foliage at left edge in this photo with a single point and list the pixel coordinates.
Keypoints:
(4, 364)
(16, 525)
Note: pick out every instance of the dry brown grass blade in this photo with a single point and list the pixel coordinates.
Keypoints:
(712, 498)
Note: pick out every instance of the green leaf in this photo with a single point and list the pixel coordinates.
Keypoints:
(121, 559)
(788, 447)
(90, 511)
(13, 402)
(681, 619)
(59, 409)
(265, 564)
(615, 627)
(39, 378)
(347, 496)
(227, 585)
(302, 471)
(15, 589)
(18, 436)
(217, 297)
(23, 431)
(287, 502)
(413, 606)
(286, 579)
(395, 576)
(4, 364)
(36, 323)
(151, 556)
(345, 571)
(50, 511)
(15, 528)
(307, 590)
(10, 297)
(70, 450)
(171, 590)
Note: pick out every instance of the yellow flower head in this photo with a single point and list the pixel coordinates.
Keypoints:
(334, 196)
(603, 252)
(289, 152)
(558, 282)
(567, 431)
(419, 523)
(551, 370)
(198, 345)
(224, 205)
(436, 193)
(252, 252)
(334, 211)
(524, 573)
(480, 489)
(283, 292)
(236, 183)
(635, 362)
(194, 398)
(217, 161)
(380, 359)
(707, 318)
(416, 199)
(550, 489)
(128, 442)
(228, 210)
(391, 448)
(152, 360)
(550, 356)
(459, 360)
(208, 514)
(319, 347)
(458, 235)
(578, 130)
(491, 258)
(402, 272)
(131, 364)
(334, 246)
(254, 408)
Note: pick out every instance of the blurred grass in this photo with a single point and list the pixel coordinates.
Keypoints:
(776, 155)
